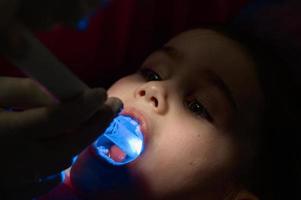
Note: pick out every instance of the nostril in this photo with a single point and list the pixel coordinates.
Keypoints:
(142, 93)
(155, 101)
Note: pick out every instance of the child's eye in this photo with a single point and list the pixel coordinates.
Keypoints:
(149, 74)
(197, 108)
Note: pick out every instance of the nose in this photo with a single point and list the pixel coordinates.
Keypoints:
(155, 94)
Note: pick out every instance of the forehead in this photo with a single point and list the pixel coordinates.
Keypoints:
(207, 47)
(206, 50)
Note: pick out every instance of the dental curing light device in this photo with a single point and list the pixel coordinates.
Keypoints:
(39, 64)
(122, 141)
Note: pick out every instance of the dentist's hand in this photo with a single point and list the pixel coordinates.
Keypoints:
(42, 139)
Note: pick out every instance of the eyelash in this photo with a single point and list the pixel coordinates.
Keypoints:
(197, 108)
(190, 103)
(149, 74)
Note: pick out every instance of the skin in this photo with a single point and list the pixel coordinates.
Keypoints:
(188, 154)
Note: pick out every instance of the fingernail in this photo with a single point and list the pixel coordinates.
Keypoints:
(116, 104)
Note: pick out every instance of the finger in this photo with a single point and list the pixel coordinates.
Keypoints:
(60, 150)
(52, 121)
(73, 144)
(23, 93)
(92, 130)
(115, 104)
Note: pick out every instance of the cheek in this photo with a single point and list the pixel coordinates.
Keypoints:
(123, 87)
(186, 142)
(181, 155)
(202, 145)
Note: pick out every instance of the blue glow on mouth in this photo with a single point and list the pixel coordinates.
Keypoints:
(125, 134)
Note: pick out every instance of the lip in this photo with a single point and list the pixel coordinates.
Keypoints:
(140, 118)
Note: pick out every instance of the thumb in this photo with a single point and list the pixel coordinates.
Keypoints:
(71, 144)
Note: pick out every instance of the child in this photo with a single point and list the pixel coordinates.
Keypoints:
(212, 122)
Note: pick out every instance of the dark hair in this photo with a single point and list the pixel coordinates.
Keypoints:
(274, 170)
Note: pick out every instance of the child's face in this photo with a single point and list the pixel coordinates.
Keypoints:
(187, 96)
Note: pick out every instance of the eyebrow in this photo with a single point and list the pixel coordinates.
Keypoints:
(171, 52)
(217, 81)
(221, 86)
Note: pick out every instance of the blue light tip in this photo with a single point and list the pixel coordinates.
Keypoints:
(122, 142)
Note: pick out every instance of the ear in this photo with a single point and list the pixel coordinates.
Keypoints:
(245, 195)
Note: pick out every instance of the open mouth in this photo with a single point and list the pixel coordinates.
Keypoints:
(122, 142)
